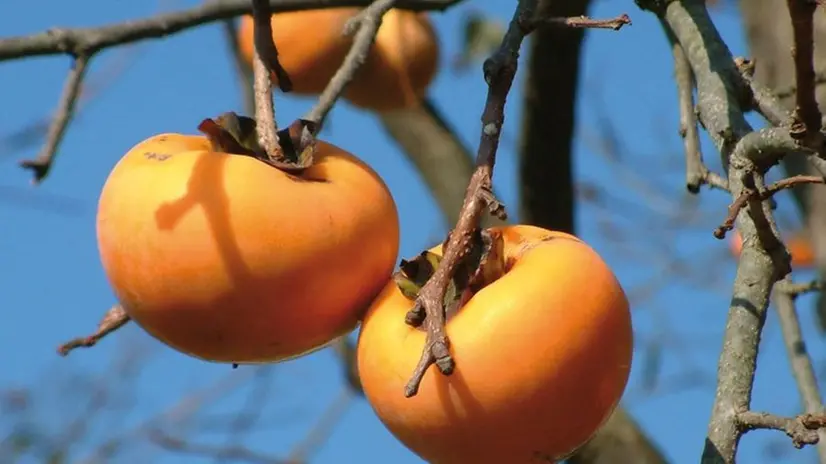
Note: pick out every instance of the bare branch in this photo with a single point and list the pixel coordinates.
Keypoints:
(720, 91)
(84, 43)
(499, 71)
(799, 358)
(94, 85)
(697, 173)
(806, 120)
(584, 22)
(265, 49)
(366, 23)
(113, 320)
(801, 429)
(88, 41)
(65, 110)
(264, 64)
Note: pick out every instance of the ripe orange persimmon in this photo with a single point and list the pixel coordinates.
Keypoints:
(543, 355)
(798, 245)
(228, 259)
(311, 47)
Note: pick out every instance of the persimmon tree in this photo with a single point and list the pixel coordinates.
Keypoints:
(723, 86)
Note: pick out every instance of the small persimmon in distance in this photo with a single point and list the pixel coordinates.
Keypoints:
(228, 259)
(311, 47)
(798, 245)
(543, 354)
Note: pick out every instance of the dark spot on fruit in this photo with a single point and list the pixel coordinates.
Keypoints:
(157, 156)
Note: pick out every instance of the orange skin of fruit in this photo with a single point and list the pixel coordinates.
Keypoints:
(228, 259)
(399, 67)
(543, 356)
(798, 245)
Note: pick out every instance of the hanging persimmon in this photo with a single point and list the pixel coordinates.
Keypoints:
(226, 258)
(543, 354)
(311, 45)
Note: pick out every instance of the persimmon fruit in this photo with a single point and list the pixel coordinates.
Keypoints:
(228, 259)
(311, 47)
(798, 244)
(543, 355)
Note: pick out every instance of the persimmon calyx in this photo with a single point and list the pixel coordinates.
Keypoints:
(484, 264)
(236, 134)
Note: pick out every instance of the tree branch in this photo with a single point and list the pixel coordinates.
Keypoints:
(720, 89)
(799, 359)
(806, 123)
(366, 25)
(65, 110)
(441, 158)
(768, 104)
(88, 41)
(697, 173)
(499, 71)
(801, 429)
(84, 43)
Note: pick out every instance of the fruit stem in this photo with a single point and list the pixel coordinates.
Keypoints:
(265, 64)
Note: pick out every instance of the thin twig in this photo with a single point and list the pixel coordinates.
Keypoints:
(584, 22)
(40, 166)
(799, 359)
(499, 71)
(366, 23)
(697, 173)
(761, 195)
(94, 85)
(801, 429)
(794, 290)
(113, 320)
(807, 116)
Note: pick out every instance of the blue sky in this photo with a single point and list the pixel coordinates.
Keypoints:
(54, 288)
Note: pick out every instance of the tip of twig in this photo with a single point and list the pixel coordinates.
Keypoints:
(39, 167)
(720, 232)
(114, 319)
